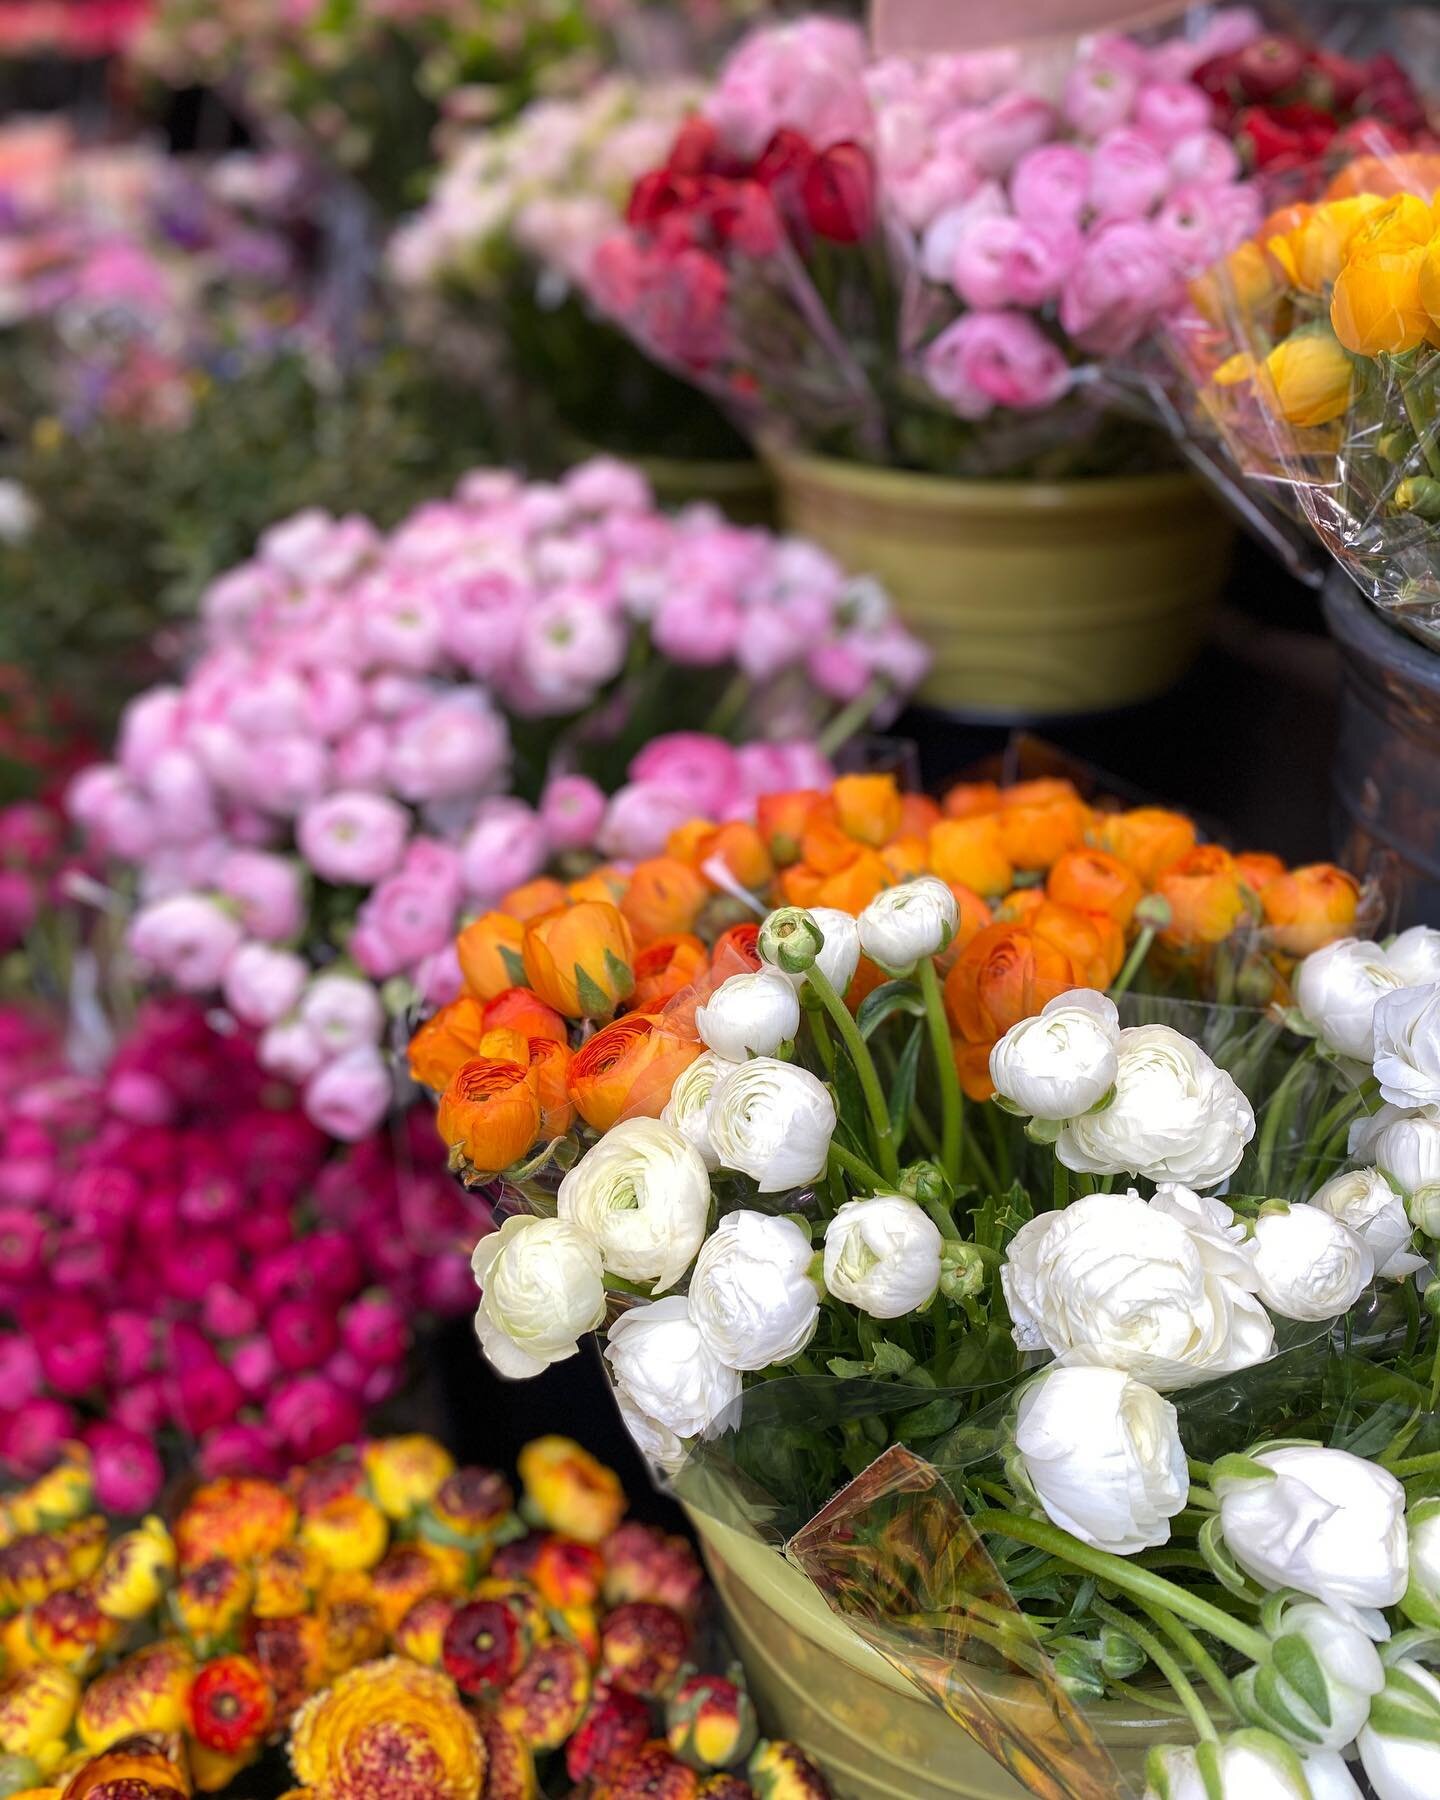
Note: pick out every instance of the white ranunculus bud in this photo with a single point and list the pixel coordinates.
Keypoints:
(773, 1122)
(643, 1195)
(1162, 1289)
(1367, 1203)
(1175, 1116)
(883, 1256)
(542, 1288)
(1247, 1765)
(1407, 1046)
(749, 1015)
(1407, 1152)
(1315, 1687)
(666, 1371)
(1400, 1743)
(1063, 1061)
(838, 956)
(1336, 990)
(688, 1108)
(905, 923)
(1421, 1604)
(751, 1295)
(1320, 1520)
(1310, 1264)
(1415, 955)
(1104, 1456)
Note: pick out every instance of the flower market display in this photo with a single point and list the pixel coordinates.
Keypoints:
(390, 1618)
(387, 735)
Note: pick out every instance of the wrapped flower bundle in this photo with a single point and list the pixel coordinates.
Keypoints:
(385, 735)
(1313, 351)
(183, 1255)
(390, 1613)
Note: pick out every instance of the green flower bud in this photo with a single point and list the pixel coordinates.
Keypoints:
(1315, 1686)
(1420, 494)
(1120, 1656)
(926, 1182)
(790, 940)
(1080, 1676)
(962, 1270)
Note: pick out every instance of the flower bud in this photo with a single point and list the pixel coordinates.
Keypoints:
(962, 1270)
(1062, 1062)
(926, 1182)
(790, 940)
(1423, 1208)
(751, 1014)
(1400, 1744)
(782, 1771)
(882, 1255)
(642, 1649)
(1419, 494)
(917, 919)
(773, 1123)
(1315, 1687)
(710, 1723)
(1247, 1765)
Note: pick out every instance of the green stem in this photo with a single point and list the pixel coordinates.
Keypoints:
(1414, 1465)
(1168, 1666)
(728, 707)
(1140, 1584)
(952, 1104)
(823, 1045)
(1276, 1114)
(847, 722)
(1134, 962)
(860, 1056)
(1060, 1186)
(1204, 1663)
(1424, 432)
(854, 1165)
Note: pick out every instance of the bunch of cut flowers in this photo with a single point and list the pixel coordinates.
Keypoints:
(385, 735)
(385, 1611)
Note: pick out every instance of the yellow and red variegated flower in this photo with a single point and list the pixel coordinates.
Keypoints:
(69, 1628)
(642, 1648)
(292, 1654)
(485, 1647)
(148, 1691)
(36, 1709)
(511, 1771)
(348, 1532)
(420, 1635)
(643, 1563)
(135, 1572)
(389, 1731)
(613, 1729)
(231, 1706)
(148, 1766)
(45, 1562)
(405, 1473)
(469, 1511)
(782, 1771)
(725, 1787)
(710, 1722)
(210, 1601)
(61, 1495)
(403, 1576)
(238, 1516)
(287, 1580)
(547, 1699)
(650, 1773)
(568, 1491)
(354, 1628)
(564, 1571)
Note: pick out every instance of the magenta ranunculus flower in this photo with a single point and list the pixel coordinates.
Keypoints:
(31, 1437)
(128, 1472)
(311, 1416)
(301, 1334)
(373, 1329)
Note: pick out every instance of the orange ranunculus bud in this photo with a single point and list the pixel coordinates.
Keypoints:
(1040, 821)
(739, 849)
(918, 812)
(490, 956)
(852, 888)
(971, 799)
(1095, 881)
(906, 857)
(1310, 907)
(666, 968)
(1094, 943)
(1206, 896)
(520, 1010)
(968, 851)
(736, 950)
(532, 898)
(868, 807)
(664, 897)
(1376, 308)
(581, 960)
(550, 1066)
(606, 884)
(626, 1071)
(783, 819)
(1146, 839)
(444, 1042)
(685, 843)
(1258, 868)
(1005, 974)
(491, 1113)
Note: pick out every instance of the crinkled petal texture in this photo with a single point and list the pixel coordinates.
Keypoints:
(388, 1731)
(643, 1195)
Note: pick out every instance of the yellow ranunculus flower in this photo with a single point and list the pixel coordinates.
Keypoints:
(36, 1707)
(348, 1532)
(1404, 223)
(1245, 280)
(134, 1574)
(1376, 308)
(62, 1494)
(147, 1692)
(1308, 379)
(382, 1725)
(405, 1473)
(1312, 252)
(568, 1491)
(1430, 281)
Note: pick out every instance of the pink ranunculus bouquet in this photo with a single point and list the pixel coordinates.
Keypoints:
(383, 736)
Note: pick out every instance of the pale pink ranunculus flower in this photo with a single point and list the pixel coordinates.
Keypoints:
(506, 845)
(1005, 262)
(413, 917)
(262, 984)
(990, 359)
(1129, 176)
(455, 747)
(179, 789)
(151, 724)
(700, 767)
(1206, 157)
(1051, 184)
(1098, 97)
(697, 627)
(1123, 281)
(350, 1095)
(571, 808)
(268, 891)
(570, 649)
(290, 1049)
(187, 938)
(343, 1011)
(639, 819)
(113, 813)
(352, 838)
(1167, 111)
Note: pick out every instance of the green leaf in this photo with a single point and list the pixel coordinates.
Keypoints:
(932, 1419)
(902, 1088)
(891, 997)
(891, 1359)
(846, 1370)
(850, 1104)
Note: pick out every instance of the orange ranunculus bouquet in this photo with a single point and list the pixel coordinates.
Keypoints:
(581, 1001)
(1314, 351)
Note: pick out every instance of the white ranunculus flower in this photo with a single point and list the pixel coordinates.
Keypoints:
(883, 1256)
(1336, 990)
(1400, 1745)
(1320, 1520)
(905, 923)
(657, 1443)
(1407, 1046)
(839, 956)
(1246, 1765)
(688, 1108)
(542, 1288)
(1104, 1456)
(1063, 1061)
(1421, 1604)
(773, 1122)
(1329, 1778)
(1367, 1203)
(1316, 1686)
(751, 1295)
(749, 1015)
(643, 1195)
(1406, 1150)
(666, 1371)
(1310, 1264)
(1161, 1289)
(1415, 955)
(1175, 1116)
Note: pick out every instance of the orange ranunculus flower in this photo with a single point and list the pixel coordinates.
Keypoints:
(1246, 280)
(502, 1044)
(827, 849)
(868, 807)
(532, 898)
(1376, 308)
(1413, 171)
(490, 1112)
(736, 950)
(666, 968)
(801, 885)
(906, 857)
(971, 799)
(445, 1041)
(1206, 896)
(627, 1070)
(581, 961)
(968, 851)
(239, 1516)
(1258, 868)
(550, 1066)
(685, 843)
(739, 848)
(605, 884)
(1307, 379)
(975, 915)
(783, 819)
(1020, 903)
(1005, 974)
(1040, 821)
(918, 813)
(852, 888)
(664, 897)
(1309, 242)
(1094, 942)
(1146, 839)
(520, 1010)
(868, 976)
(1094, 881)
(569, 1491)
(490, 953)
(1310, 907)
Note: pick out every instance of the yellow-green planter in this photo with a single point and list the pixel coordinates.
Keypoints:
(876, 1735)
(1036, 597)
